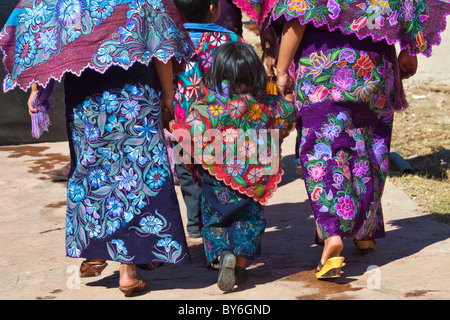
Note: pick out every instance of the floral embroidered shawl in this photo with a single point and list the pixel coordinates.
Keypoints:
(43, 39)
(206, 39)
(257, 10)
(414, 24)
(232, 139)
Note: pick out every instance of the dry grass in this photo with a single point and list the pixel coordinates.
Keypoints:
(421, 135)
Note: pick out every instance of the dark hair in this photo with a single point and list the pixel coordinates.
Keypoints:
(238, 63)
(194, 10)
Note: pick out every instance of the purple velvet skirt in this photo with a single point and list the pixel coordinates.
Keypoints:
(346, 90)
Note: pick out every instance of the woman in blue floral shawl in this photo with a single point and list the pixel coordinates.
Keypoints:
(346, 87)
(116, 57)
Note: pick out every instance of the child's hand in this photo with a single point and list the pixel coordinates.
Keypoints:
(34, 92)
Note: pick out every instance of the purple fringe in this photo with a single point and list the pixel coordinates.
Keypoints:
(40, 120)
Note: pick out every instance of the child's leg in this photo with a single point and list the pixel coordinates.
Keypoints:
(241, 262)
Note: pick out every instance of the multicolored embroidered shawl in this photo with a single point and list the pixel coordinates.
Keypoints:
(257, 10)
(43, 39)
(414, 24)
(238, 139)
(206, 39)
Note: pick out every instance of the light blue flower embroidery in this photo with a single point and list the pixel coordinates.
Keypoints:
(102, 9)
(135, 7)
(104, 55)
(120, 246)
(156, 4)
(69, 12)
(148, 129)
(88, 157)
(127, 31)
(47, 40)
(35, 15)
(25, 49)
(127, 179)
(160, 154)
(76, 192)
(151, 224)
(114, 123)
(108, 102)
(91, 132)
(97, 177)
(112, 226)
(114, 206)
(73, 251)
(93, 227)
(156, 178)
(168, 243)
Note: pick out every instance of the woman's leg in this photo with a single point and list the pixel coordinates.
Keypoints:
(332, 248)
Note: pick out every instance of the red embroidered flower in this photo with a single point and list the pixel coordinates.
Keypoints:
(364, 65)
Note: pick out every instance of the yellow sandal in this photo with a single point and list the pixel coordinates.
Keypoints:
(331, 268)
(365, 246)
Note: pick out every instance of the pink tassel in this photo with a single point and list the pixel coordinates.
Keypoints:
(40, 120)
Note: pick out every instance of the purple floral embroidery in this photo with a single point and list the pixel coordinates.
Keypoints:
(393, 18)
(360, 168)
(307, 87)
(400, 21)
(407, 10)
(345, 208)
(330, 131)
(378, 149)
(343, 78)
(334, 8)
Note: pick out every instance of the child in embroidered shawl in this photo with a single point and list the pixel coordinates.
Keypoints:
(236, 130)
(201, 17)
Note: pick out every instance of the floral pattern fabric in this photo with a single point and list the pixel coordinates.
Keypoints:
(237, 229)
(44, 39)
(346, 97)
(344, 183)
(188, 84)
(257, 10)
(344, 74)
(237, 139)
(414, 24)
(122, 204)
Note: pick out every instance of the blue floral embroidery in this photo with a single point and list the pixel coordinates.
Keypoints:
(123, 163)
(43, 29)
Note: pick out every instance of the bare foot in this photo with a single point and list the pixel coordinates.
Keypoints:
(128, 275)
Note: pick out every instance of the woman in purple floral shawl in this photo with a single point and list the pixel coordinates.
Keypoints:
(346, 87)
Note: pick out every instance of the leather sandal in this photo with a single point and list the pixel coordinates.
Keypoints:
(365, 246)
(141, 286)
(91, 268)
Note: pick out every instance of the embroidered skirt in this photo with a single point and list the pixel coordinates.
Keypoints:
(231, 221)
(345, 91)
(121, 200)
